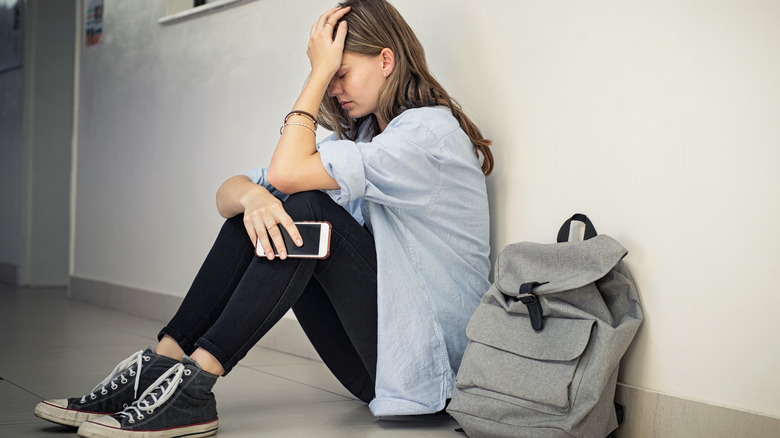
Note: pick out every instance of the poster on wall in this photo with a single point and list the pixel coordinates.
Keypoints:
(94, 21)
(10, 35)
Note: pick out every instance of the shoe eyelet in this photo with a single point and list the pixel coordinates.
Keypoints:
(140, 417)
(123, 380)
(92, 396)
(132, 373)
(150, 411)
(114, 385)
(125, 405)
(131, 421)
(146, 358)
(103, 391)
(187, 372)
(181, 381)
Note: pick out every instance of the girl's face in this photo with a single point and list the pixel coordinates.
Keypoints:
(357, 82)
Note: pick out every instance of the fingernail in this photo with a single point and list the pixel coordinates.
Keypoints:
(282, 255)
(299, 242)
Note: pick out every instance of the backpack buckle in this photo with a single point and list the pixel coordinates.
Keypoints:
(527, 297)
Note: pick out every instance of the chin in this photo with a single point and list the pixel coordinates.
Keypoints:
(357, 114)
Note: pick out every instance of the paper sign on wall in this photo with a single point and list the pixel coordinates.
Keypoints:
(94, 21)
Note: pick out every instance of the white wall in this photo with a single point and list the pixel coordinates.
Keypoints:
(658, 119)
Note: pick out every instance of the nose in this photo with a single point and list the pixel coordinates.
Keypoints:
(334, 88)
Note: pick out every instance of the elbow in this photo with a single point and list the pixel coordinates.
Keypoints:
(281, 179)
(299, 176)
(228, 196)
(222, 207)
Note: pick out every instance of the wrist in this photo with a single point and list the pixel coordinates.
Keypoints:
(320, 78)
(251, 195)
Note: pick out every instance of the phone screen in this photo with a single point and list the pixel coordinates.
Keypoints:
(310, 233)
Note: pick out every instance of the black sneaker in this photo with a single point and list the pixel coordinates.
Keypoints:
(179, 404)
(114, 393)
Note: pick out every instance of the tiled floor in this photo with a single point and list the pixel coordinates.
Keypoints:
(53, 347)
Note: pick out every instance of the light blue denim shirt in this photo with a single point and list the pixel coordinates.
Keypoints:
(419, 188)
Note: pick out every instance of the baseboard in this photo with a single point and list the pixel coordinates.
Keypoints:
(286, 336)
(9, 274)
(650, 414)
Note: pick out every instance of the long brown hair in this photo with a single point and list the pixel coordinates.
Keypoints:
(372, 26)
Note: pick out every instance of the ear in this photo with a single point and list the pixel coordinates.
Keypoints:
(388, 60)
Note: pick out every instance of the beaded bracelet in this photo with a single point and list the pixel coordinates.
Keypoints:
(301, 113)
(281, 130)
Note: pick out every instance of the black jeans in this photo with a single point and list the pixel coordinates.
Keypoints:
(237, 297)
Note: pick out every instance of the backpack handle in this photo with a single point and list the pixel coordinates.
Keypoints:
(564, 232)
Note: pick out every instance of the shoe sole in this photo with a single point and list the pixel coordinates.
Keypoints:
(95, 430)
(63, 416)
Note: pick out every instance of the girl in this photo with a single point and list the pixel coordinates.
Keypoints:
(401, 180)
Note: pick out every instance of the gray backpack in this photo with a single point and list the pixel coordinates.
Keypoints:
(546, 341)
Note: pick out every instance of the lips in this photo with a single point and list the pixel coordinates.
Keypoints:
(345, 103)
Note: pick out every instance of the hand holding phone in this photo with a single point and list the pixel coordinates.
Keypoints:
(316, 241)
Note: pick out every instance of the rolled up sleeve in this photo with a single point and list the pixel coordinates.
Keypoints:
(344, 163)
(400, 167)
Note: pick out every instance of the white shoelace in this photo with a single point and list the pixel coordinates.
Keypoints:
(157, 394)
(136, 358)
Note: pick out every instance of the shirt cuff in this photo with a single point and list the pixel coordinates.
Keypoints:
(344, 163)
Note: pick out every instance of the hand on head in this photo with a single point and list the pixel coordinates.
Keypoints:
(326, 47)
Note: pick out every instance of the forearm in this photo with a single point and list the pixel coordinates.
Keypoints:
(296, 140)
(233, 194)
(297, 147)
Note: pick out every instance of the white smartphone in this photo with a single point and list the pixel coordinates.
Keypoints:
(316, 241)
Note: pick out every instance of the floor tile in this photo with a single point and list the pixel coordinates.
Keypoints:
(16, 404)
(309, 373)
(37, 429)
(347, 419)
(60, 372)
(245, 387)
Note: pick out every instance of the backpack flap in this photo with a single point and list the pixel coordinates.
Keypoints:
(529, 274)
(556, 267)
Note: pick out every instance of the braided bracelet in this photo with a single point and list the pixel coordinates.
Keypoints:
(281, 130)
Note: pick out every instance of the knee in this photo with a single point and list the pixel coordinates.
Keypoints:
(236, 222)
(311, 196)
(306, 206)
